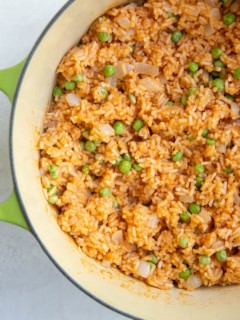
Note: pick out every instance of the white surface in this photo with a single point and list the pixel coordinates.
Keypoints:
(30, 285)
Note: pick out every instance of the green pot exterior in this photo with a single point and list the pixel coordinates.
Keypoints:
(10, 210)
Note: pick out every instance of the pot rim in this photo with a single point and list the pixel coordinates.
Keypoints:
(18, 192)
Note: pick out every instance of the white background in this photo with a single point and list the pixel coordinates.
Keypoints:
(30, 286)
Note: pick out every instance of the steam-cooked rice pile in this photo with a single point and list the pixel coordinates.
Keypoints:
(157, 198)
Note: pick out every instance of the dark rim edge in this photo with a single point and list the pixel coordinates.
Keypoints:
(29, 58)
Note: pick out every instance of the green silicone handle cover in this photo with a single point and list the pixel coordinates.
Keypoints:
(10, 210)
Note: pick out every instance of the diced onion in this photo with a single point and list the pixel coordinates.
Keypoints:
(153, 221)
(124, 22)
(235, 109)
(214, 15)
(237, 199)
(122, 69)
(218, 244)
(117, 237)
(150, 84)
(106, 129)
(130, 32)
(205, 216)
(72, 99)
(193, 282)
(209, 30)
(145, 68)
(41, 172)
(143, 269)
(106, 263)
(186, 198)
(222, 148)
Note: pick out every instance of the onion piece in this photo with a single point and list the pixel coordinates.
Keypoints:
(152, 221)
(186, 198)
(145, 68)
(205, 216)
(236, 199)
(209, 30)
(235, 109)
(214, 15)
(143, 269)
(117, 237)
(124, 22)
(106, 129)
(193, 282)
(41, 172)
(72, 99)
(122, 69)
(218, 244)
(106, 263)
(150, 84)
(130, 32)
(222, 148)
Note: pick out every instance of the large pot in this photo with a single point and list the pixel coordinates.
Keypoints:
(110, 287)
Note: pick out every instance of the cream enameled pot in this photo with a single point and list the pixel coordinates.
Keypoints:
(113, 289)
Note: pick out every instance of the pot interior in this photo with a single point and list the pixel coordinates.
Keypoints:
(108, 285)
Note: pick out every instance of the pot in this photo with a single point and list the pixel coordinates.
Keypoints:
(28, 208)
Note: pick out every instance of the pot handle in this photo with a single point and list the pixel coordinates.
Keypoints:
(10, 210)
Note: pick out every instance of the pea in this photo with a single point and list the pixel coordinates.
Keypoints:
(219, 64)
(138, 124)
(216, 53)
(185, 274)
(105, 192)
(136, 167)
(69, 85)
(53, 199)
(127, 157)
(229, 18)
(224, 2)
(218, 84)
(184, 100)
(193, 66)
(176, 36)
(221, 255)
(210, 141)
(118, 128)
(194, 208)
(86, 133)
(152, 265)
(237, 74)
(78, 78)
(205, 132)
(90, 146)
(132, 47)
(52, 168)
(185, 216)
(177, 156)
(119, 159)
(199, 181)
(132, 98)
(109, 70)
(190, 137)
(191, 91)
(229, 96)
(154, 258)
(199, 168)
(228, 170)
(172, 15)
(204, 260)
(103, 36)
(52, 190)
(125, 166)
(170, 103)
(183, 242)
(115, 203)
(57, 91)
(104, 92)
(215, 74)
(85, 169)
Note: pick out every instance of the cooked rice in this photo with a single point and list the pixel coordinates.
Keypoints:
(147, 218)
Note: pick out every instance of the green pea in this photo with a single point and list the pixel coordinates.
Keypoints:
(205, 132)
(125, 166)
(90, 146)
(52, 168)
(199, 168)
(53, 199)
(69, 85)
(184, 100)
(52, 189)
(118, 128)
(221, 255)
(210, 141)
(204, 260)
(172, 15)
(86, 133)
(115, 203)
(218, 84)
(219, 64)
(183, 242)
(176, 36)
(185, 274)
(193, 66)
(194, 208)
(119, 159)
(230, 97)
(136, 167)
(57, 91)
(127, 157)
(138, 124)
(190, 137)
(152, 265)
(85, 169)
(132, 47)
(78, 78)
(103, 36)
(185, 216)
(132, 98)
(216, 53)
(105, 192)
(237, 74)
(224, 2)
(97, 142)
(177, 156)
(228, 170)
(191, 91)
(104, 92)
(109, 70)
(170, 103)
(153, 258)
(229, 18)
(199, 181)
(54, 175)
